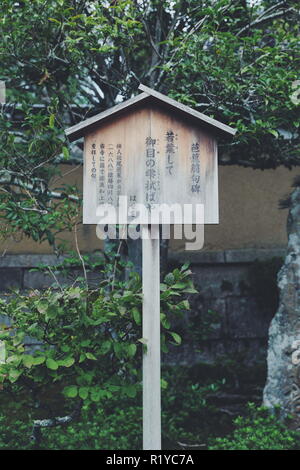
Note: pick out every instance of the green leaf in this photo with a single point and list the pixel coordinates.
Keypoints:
(163, 384)
(190, 290)
(74, 293)
(169, 279)
(71, 391)
(38, 360)
(136, 316)
(143, 340)
(176, 337)
(121, 309)
(96, 394)
(51, 121)
(51, 364)
(179, 285)
(185, 304)
(66, 153)
(67, 362)
(54, 20)
(273, 132)
(130, 391)
(185, 266)
(28, 361)
(106, 346)
(91, 356)
(165, 321)
(42, 306)
(132, 350)
(84, 392)
(13, 375)
(31, 146)
(82, 358)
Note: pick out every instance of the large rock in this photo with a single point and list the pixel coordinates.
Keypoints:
(283, 384)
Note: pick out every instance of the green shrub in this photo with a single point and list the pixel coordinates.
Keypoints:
(187, 415)
(90, 342)
(259, 430)
(96, 429)
(116, 423)
(100, 429)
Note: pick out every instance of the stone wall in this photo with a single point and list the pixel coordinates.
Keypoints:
(228, 292)
(239, 288)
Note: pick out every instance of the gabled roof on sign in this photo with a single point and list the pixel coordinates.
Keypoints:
(88, 125)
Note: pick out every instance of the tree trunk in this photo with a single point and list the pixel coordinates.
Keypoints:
(283, 379)
(134, 254)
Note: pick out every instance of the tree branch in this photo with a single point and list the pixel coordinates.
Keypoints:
(263, 19)
(38, 424)
(30, 187)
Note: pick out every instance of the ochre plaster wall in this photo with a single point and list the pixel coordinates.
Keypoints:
(249, 214)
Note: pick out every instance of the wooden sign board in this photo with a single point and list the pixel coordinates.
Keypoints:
(151, 151)
(154, 151)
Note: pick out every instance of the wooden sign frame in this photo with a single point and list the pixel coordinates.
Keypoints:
(148, 131)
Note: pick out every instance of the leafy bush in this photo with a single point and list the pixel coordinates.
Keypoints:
(259, 430)
(90, 341)
(188, 420)
(116, 423)
(187, 415)
(97, 429)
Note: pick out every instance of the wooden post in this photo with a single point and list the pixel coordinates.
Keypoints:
(151, 333)
(2, 92)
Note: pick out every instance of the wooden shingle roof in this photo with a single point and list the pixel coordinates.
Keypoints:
(147, 95)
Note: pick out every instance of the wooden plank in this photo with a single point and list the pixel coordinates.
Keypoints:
(130, 132)
(2, 92)
(176, 168)
(172, 183)
(151, 334)
(186, 109)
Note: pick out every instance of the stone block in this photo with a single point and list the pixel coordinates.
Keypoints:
(197, 257)
(220, 280)
(11, 278)
(39, 280)
(199, 315)
(245, 319)
(28, 260)
(250, 255)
